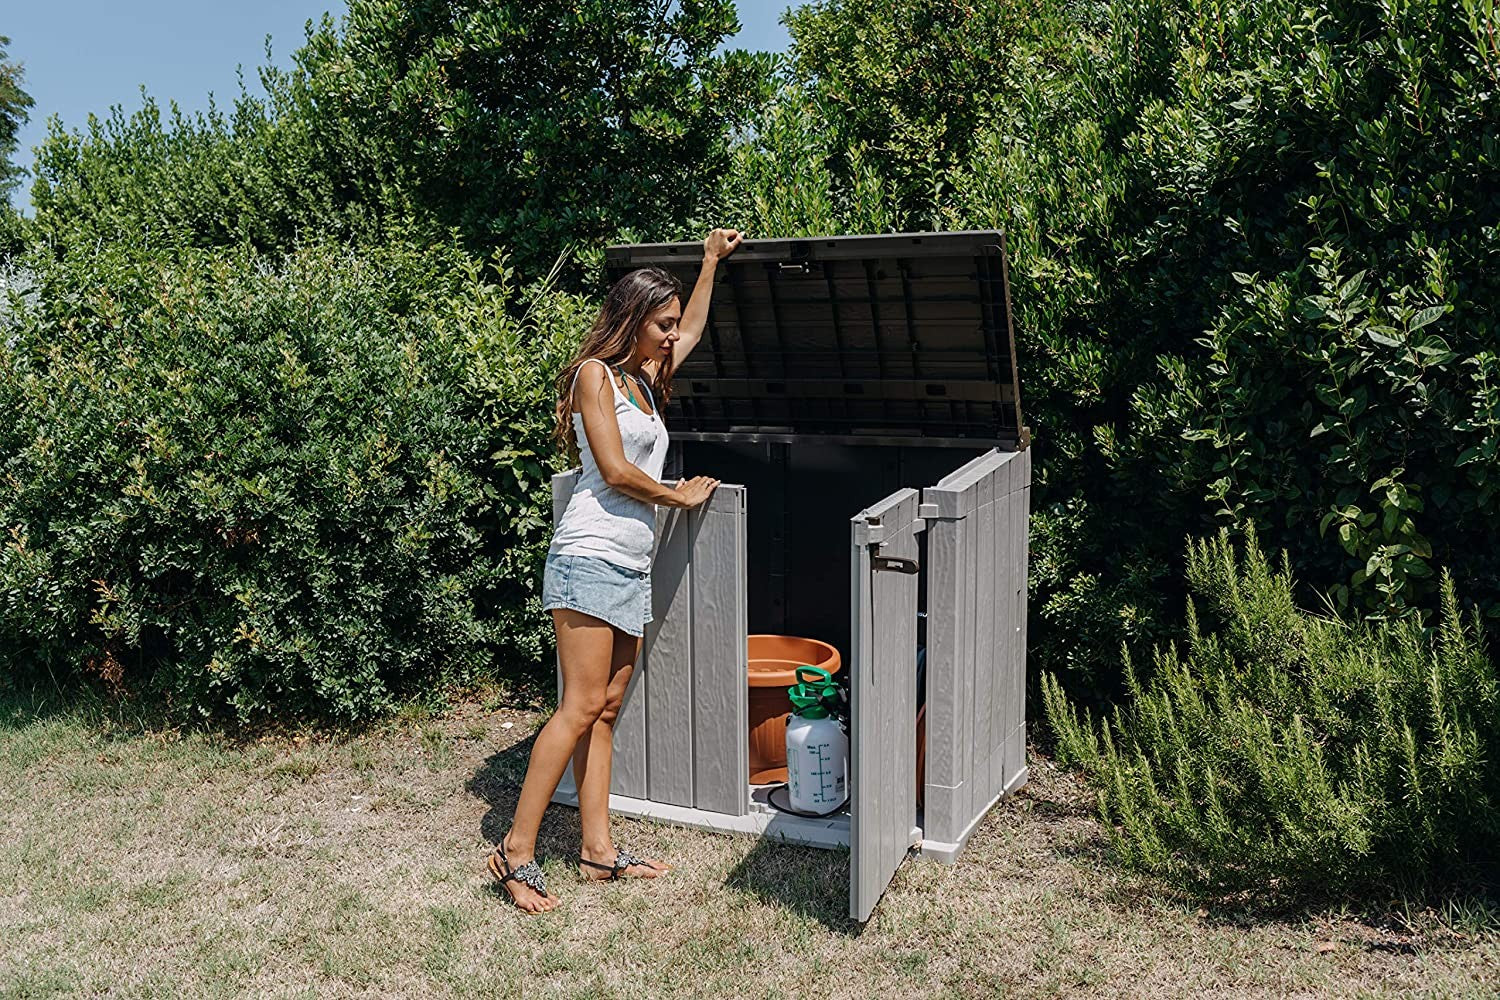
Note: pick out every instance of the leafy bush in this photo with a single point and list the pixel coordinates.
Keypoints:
(1254, 264)
(15, 105)
(208, 179)
(1254, 244)
(1341, 176)
(524, 125)
(313, 484)
(1281, 753)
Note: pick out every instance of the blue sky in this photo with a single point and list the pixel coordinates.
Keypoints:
(83, 56)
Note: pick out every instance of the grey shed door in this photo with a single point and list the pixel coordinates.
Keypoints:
(883, 668)
(681, 736)
(976, 643)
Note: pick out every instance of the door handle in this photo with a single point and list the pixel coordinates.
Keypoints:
(895, 564)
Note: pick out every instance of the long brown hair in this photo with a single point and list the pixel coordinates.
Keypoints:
(627, 306)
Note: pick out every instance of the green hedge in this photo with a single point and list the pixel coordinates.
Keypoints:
(1256, 270)
(1281, 754)
(532, 126)
(1256, 263)
(310, 484)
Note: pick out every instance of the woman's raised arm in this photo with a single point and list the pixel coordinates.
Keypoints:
(719, 244)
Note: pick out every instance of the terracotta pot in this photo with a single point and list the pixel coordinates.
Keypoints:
(774, 660)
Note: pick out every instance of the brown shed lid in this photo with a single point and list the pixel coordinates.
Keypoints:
(903, 335)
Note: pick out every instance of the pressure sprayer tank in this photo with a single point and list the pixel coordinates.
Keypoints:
(817, 751)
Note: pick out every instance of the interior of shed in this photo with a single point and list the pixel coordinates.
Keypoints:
(800, 498)
(801, 495)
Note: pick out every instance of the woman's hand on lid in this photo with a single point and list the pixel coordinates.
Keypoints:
(716, 246)
(721, 243)
(696, 491)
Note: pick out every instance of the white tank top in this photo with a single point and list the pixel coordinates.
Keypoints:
(601, 521)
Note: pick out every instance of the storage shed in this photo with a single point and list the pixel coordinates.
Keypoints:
(858, 396)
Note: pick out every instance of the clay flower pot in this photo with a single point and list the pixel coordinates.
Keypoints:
(774, 660)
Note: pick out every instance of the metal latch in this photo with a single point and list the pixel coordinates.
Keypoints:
(895, 564)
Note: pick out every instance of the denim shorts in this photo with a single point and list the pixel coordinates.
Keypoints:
(619, 596)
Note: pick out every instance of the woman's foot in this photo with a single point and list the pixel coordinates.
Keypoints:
(519, 875)
(611, 863)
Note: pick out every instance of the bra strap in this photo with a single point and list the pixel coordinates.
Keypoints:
(649, 394)
(629, 390)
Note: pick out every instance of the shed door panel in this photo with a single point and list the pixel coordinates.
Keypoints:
(666, 674)
(883, 659)
(976, 655)
(681, 736)
(720, 652)
(1015, 746)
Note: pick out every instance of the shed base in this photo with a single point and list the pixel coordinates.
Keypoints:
(766, 821)
(762, 821)
(948, 853)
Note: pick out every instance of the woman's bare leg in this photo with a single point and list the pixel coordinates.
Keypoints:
(593, 761)
(584, 650)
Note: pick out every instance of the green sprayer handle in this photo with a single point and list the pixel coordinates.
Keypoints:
(819, 675)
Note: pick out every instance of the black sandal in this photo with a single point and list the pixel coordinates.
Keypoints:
(623, 860)
(529, 874)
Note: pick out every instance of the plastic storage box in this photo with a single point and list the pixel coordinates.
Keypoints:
(858, 396)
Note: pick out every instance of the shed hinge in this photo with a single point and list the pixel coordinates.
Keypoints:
(930, 512)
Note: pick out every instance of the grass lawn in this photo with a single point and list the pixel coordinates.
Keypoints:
(138, 862)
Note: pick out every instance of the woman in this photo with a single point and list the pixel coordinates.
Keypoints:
(597, 582)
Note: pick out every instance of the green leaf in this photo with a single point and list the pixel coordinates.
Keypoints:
(1427, 316)
(1351, 287)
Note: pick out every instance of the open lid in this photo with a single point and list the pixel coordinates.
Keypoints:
(903, 336)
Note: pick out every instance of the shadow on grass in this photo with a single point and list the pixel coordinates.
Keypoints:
(1400, 917)
(24, 703)
(146, 710)
(810, 881)
(498, 783)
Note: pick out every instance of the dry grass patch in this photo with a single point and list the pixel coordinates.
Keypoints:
(144, 863)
